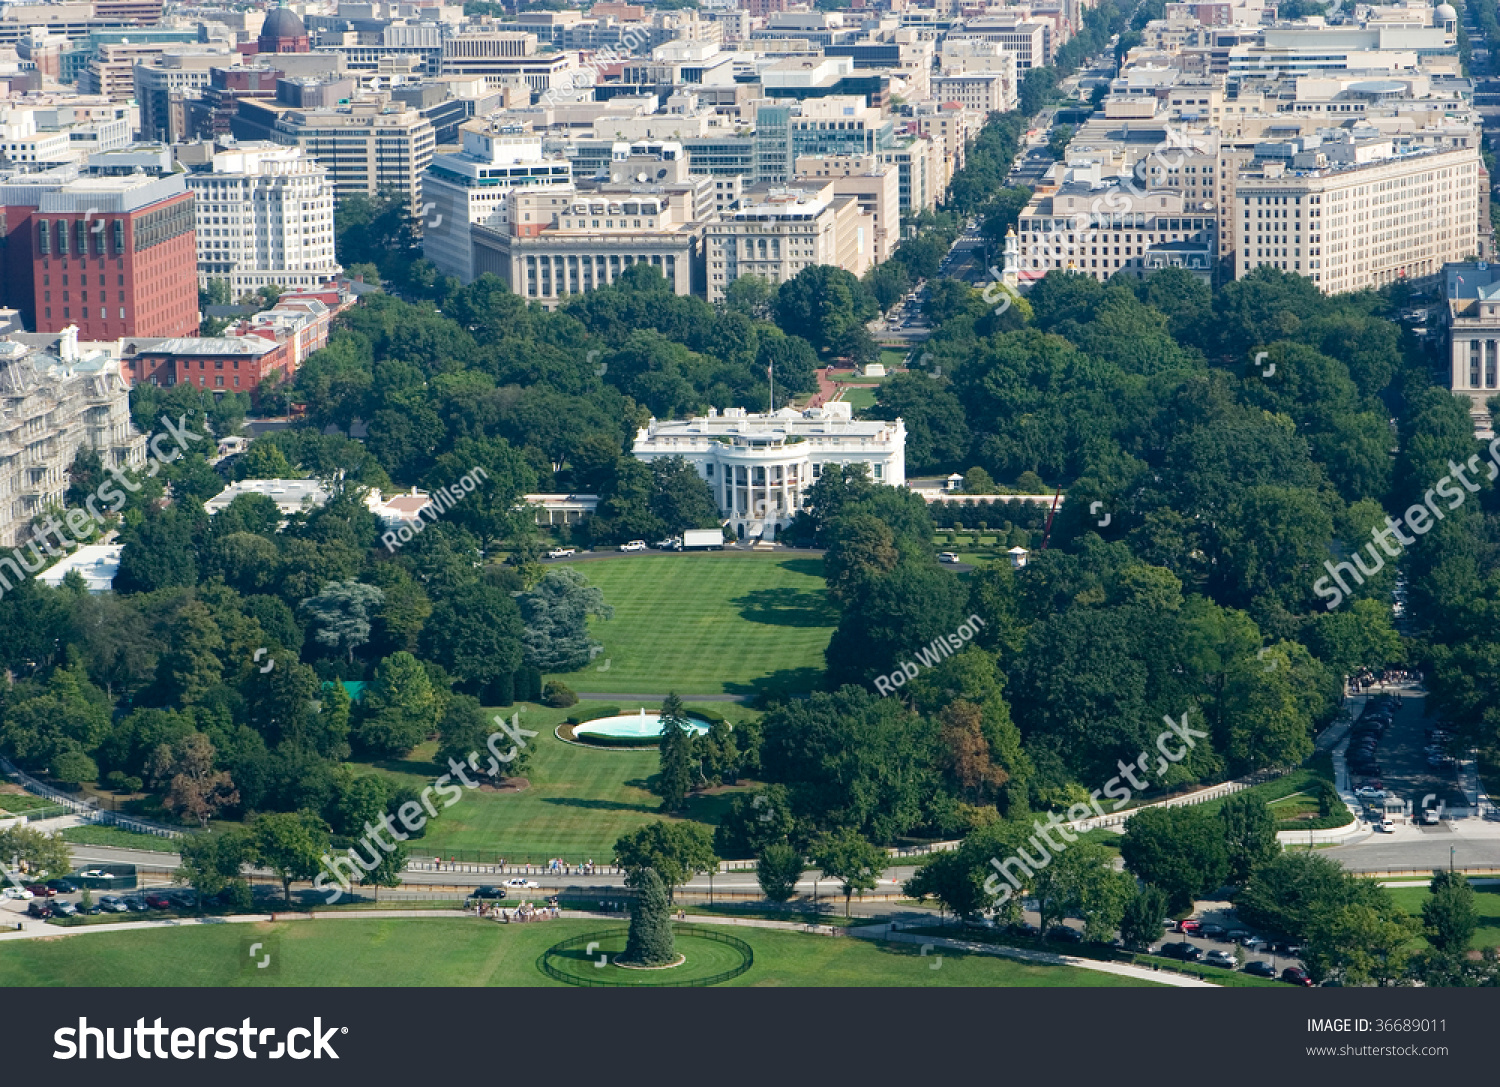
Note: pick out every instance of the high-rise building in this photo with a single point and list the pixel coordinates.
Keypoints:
(264, 216)
(777, 232)
(368, 146)
(114, 256)
(1351, 214)
(470, 187)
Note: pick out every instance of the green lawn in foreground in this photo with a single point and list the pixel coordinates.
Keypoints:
(444, 951)
(580, 799)
(862, 397)
(1486, 902)
(709, 623)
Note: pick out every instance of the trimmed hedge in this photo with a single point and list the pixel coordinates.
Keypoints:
(592, 715)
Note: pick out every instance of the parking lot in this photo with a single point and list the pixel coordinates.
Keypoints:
(1404, 768)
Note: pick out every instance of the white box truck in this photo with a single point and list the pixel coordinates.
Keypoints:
(697, 539)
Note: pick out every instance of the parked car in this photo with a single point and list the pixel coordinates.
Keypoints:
(158, 901)
(62, 886)
(39, 908)
(1295, 975)
(527, 884)
(562, 552)
(1212, 932)
(1064, 933)
(41, 890)
(1192, 924)
(487, 892)
(64, 908)
(671, 543)
(187, 899)
(1431, 817)
(947, 556)
(1236, 936)
(95, 873)
(1181, 950)
(1367, 793)
(136, 904)
(634, 545)
(1253, 943)
(112, 904)
(20, 893)
(1261, 969)
(1218, 957)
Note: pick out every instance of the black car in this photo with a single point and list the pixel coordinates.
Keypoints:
(487, 892)
(1260, 969)
(64, 908)
(1182, 950)
(1212, 932)
(62, 886)
(38, 907)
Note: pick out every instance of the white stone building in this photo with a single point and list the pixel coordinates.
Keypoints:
(760, 467)
(264, 215)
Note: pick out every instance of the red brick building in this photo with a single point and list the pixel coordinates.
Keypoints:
(115, 256)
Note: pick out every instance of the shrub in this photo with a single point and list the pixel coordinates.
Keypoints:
(592, 715)
(134, 784)
(558, 695)
(115, 779)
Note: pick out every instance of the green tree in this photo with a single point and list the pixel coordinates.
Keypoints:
(291, 844)
(476, 635)
(1180, 850)
(38, 853)
(1081, 881)
(343, 613)
(1298, 894)
(399, 709)
(1249, 835)
(677, 851)
(1360, 944)
(674, 779)
(214, 863)
(555, 615)
(778, 867)
(1449, 916)
(851, 859)
(650, 942)
(1142, 924)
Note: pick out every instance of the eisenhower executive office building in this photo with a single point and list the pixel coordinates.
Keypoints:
(760, 467)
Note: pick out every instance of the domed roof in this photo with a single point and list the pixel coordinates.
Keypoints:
(282, 23)
(1446, 12)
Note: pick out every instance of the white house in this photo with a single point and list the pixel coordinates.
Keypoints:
(760, 467)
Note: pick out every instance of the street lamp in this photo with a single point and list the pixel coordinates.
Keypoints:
(1450, 857)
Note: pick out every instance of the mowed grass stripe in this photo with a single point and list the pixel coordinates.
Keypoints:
(470, 952)
(708, 623)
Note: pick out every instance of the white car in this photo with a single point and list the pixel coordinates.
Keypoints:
(16, 892)
(947, 556)
(1252, 943)
(562, 553)
(527, 884)
(634, 545)
(1369, 793)
(1218, 957)
(1386, 826)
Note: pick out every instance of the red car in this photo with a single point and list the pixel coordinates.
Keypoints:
(158, 901)
(1190, 925)
(1295, 975)
(41, 890)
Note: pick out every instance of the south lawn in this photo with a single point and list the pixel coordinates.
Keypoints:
(708, 623)
(440, 951)
(578, 802)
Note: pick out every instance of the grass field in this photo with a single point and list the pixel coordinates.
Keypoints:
(19, 802)
(711, 623)
(580, 799)
(120, 839)
(861, 397)
(445, 951)
(1486, 903)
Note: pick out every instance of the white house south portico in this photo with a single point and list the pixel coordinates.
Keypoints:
(760, 467)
